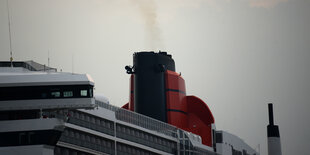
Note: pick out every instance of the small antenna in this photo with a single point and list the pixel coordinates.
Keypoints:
(72, 62)
(270, 110)
(10, 37)
(257, 149)
(48, 58)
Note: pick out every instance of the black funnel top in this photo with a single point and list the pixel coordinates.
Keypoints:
(149, 59)
(149, 83)
(272, 130)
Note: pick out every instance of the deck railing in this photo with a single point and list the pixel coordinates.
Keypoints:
(140, 120)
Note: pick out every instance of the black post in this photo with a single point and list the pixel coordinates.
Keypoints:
(270, 109)
(273, 135)
(272, 130)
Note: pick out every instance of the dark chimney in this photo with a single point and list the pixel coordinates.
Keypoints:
(272, 130)
(149, 83)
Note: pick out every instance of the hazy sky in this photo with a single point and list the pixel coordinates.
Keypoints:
(237, 55)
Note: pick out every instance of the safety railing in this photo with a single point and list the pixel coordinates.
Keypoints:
(140, 120)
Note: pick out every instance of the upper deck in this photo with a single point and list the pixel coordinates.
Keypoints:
(34, 86)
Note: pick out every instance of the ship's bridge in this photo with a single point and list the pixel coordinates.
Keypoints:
(29, 85)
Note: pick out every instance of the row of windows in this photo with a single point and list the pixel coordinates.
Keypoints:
(48, 137)
(186, 145)
(90, 118)
(19, 114)
(236, 152)
(123, 149)
(100, 124)
(91, 122)
(66, 151)
(45, 92)
(87, 137)
(145, 138)
(198, 151)
(244, 152)
(87, 140)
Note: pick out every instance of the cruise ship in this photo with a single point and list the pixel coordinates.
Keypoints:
(46, 112)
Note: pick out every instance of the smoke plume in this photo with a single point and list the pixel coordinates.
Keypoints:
(148, 11)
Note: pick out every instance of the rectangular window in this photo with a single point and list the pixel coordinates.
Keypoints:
(55, 94)
(91, 92)
(219, 137)
(68, 93)
(83, 92)
(31, 139)
(45, 92)
(22, 139)
(43, 95)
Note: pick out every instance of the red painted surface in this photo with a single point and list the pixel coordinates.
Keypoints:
(175, 81)
(131, 94)
(200, 108)
(187, 112)
(126, 106)
(130, 104)
(200, 119)
(176, 100)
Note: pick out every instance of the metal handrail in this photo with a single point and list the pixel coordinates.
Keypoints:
(140, 120)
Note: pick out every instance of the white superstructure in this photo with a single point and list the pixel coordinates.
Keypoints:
(44, 112)
(230, 144)
(25, 89)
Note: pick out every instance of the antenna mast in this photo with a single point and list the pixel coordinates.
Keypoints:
(273, 135)
(48, 58)
(10, 37)
(72, 63)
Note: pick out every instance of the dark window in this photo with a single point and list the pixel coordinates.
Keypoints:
(31, 137)
(219, 137)
(62, 151)
(19, 114)
(91, 91)
(22, 139)
(35, 137)
(45, 92)
(68, 93)
(145, 139)
(43, 95)
(55, 94)
(83, 92)
(236, 152)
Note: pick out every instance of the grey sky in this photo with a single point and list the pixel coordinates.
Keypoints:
(237, 55)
